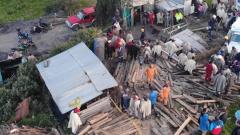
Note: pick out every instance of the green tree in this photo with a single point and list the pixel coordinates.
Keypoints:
(105, 10)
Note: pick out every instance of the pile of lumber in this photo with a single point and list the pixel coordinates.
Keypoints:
(102, 105)
(189, 95)
(109, 123)
(26, 130)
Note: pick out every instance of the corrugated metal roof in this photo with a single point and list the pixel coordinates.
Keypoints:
(192, 38)
(169, 5)
(76, 72)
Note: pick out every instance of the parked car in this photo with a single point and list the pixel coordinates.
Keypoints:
(84, 18)
(233, 36)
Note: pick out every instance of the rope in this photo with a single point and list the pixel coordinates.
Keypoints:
(134, 124)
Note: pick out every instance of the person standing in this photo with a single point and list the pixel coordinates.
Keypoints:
(151, 72)
(236, 130)
(129, 37)
(164, 93)
(203, 122)
(219, 83)
(125, 100)
(157, 50)
(153, 97)
(134, 106)
(171, 48)
(74, 120)
(145, 107)
(209, 71)
(236, 66)
(190, 65)
(142, 37)
(151, 16)
(211, 26)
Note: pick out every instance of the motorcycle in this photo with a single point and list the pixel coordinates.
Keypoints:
(40, 28)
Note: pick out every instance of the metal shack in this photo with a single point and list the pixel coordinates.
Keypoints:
(75, 74)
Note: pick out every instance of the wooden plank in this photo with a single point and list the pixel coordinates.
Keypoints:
(183, 126)
(155, 131)
(190, 98)
(191, 109)
(85, 130)
(205, 101)
(98, 118)
(167, 118)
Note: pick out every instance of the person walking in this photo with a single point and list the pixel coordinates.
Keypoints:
(164, 93)
(211, 26)
(151, 72)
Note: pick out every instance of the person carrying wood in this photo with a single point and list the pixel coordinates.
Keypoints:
(164, 93)
(145, 107)
(74, 120)
(151, 72)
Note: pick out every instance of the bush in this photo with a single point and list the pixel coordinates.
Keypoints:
(40, 120)
(230, 124)
(7, 105)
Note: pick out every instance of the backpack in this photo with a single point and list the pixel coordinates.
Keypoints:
(217, 130)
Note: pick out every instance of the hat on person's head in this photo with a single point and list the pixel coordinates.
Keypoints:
(237, 114)
(135, 97)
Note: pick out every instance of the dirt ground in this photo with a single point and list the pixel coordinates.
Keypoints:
(44, 41)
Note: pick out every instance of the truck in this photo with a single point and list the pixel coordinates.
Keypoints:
(233, 36)
(84, 18)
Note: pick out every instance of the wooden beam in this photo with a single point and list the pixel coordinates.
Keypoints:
(183, 126)
(85, 130)
(190, 98)
(167, 118)
(191, 109)
(205, 101)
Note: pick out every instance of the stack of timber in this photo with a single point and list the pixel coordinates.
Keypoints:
(109, 123)
(102, 105)
(189, 95)
(26, 130)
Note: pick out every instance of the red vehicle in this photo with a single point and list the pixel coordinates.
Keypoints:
(84, 18)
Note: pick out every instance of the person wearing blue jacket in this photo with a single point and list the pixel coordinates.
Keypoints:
(203, 122)
(153, 97)
(216, 126)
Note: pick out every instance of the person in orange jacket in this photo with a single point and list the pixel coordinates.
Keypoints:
(151, 72)
(164, 93)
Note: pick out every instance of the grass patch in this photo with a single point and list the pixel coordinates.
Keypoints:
(13, 10)
(230, 124)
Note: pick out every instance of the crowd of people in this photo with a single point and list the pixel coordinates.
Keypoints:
(143, 107)
(222, 68)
